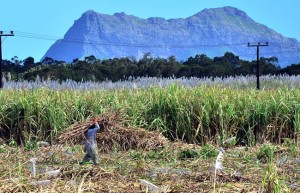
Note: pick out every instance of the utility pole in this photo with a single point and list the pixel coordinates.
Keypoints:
(257, 60)
(2, 34)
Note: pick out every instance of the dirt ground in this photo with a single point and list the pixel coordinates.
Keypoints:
(135, 160)
(177, 167)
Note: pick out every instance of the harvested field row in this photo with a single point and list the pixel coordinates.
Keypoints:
(130, 157)
(121, 171)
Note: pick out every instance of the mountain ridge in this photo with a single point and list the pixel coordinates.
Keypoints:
(122, 35)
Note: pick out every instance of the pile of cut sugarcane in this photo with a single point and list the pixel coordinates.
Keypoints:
(113, 135)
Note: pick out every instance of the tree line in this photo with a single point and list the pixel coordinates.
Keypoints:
(92, 69)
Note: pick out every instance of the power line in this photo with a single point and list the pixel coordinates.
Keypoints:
(35, 34)
(55, 38)
(132, 45)
(276, 52)
(173, 46)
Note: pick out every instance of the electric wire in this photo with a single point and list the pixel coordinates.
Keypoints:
(181, 46)
(55, 38)
(51, 37)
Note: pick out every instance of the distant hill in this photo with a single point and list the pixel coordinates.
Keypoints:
(211, 31)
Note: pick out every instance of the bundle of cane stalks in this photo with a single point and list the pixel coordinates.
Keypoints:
(114, 135)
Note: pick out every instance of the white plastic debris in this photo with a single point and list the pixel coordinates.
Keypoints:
(53, 173)
(43, 144)
(230, 141)
(33, 168)
(151, 187)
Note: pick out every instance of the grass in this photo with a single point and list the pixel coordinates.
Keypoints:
(195, 115)
(202, 115)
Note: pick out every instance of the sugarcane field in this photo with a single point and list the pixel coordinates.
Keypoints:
(161, 138)
(160, 96)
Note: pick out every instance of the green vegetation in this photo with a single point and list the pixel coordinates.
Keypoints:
(266, 153)
(272, 181)
(208, 115)
(188, 153)
(208, 151)
(228, 115)
(195, 115)
(93, 69)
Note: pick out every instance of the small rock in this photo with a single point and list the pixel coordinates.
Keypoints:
(43, 144)
(41, 183)
(294, 186)
(237, 174)
(152, 174)
(69, 153)
(282, 161)
(163, 170)
(240, 148)
(49, 154)
(182, 171)
(53, 173)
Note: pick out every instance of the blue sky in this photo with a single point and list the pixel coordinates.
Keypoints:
(55, 17)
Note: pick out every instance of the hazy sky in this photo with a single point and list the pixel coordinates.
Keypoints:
(55, 17)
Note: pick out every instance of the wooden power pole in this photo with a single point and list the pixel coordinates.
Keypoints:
(257, 60)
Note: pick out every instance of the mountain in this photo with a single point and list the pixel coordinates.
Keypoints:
(211, 31)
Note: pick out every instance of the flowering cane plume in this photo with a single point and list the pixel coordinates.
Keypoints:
(146, 82)
(218, 165)
(219, 160)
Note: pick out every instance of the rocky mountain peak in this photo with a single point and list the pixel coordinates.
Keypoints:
(89, 13)
(121, 14)
(226, 29)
